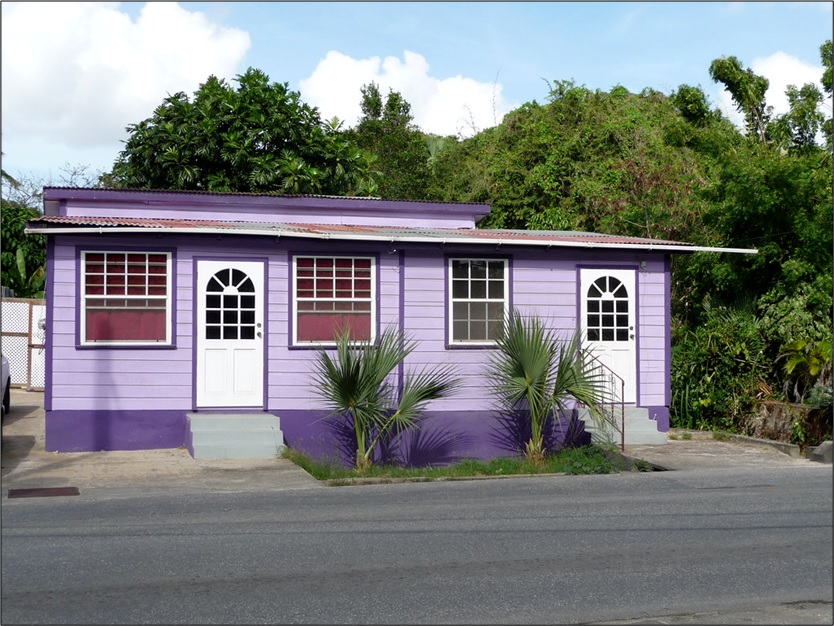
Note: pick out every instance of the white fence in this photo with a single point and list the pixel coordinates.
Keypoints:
(22, 341)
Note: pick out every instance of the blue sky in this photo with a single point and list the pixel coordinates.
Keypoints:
(75, 74)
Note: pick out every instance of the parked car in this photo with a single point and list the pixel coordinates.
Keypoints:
(6, 379)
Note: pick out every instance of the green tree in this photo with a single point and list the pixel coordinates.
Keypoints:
(357, 385)
(386, 130)
(23, 256)
(533, 372)
(259, 137)
(748, 91)
(827, 56)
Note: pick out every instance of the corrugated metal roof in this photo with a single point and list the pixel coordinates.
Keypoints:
(53, 192)
(55, 224)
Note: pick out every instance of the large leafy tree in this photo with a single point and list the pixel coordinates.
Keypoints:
(259, 137)
(402, 151)
(748, 91)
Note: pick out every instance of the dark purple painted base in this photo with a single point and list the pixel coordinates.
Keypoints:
(89, 431)
(443, 438)
(660, 414)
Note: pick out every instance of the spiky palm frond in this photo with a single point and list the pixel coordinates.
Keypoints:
(532, 370)
(357, 383)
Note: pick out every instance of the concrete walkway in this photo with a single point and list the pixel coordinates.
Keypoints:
(26, 464)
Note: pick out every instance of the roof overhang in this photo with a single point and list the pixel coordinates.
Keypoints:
(65, 225)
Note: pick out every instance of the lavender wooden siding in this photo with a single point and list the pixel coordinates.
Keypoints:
(116, 378)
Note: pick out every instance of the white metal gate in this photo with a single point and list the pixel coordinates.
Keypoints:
(22, 341)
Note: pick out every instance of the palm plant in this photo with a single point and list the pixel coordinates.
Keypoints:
(357, 384)
(538, 374)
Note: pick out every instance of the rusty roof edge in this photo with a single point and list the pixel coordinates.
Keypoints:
(457, 236)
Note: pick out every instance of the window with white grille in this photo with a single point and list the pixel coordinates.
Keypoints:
(333, 295)
(125, 297)
(479, 300)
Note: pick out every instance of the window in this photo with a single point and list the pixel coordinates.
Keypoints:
(479, 300)
(230, 306)
(608, 310)
(126, 297)
(333, 294)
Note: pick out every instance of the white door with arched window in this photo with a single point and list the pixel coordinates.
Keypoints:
(229, 332)
(608, 321)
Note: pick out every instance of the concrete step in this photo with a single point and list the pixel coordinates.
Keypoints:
(639, 429)
(234, 435)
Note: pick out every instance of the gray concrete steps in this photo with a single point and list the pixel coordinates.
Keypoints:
(234, 435)
(639, 429)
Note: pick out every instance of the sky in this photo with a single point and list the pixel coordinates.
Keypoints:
(75, 74)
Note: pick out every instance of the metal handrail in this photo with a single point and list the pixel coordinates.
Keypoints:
(612, 375)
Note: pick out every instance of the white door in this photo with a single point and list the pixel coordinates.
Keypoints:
(608, 322)
(230, 354)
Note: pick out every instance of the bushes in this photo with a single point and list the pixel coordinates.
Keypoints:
(715, 370)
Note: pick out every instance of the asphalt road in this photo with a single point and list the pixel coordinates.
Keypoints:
(661, 547)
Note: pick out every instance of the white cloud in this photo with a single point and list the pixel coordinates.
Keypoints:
(448, 106)
(781, 70)
(77, 73)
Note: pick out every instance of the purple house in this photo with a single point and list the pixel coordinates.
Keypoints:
(192, 319)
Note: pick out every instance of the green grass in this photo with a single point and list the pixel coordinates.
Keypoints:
(584, 460)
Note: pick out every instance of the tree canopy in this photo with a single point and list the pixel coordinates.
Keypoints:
(259, 137)
(387, 131)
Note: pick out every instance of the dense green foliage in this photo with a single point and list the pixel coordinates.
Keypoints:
(386, 130)
(257, 138)
(23, 256)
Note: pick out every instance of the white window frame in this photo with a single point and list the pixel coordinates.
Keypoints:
(452, 299)
(371, 300)
(84, 298)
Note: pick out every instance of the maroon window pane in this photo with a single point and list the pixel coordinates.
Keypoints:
(304, 262)
(362, 264)
(94, 257)
(344, 263)
(324, 288)
(126, 325)
(322, 327)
